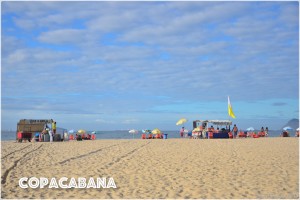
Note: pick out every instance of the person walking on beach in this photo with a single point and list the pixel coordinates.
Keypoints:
(54, 127)
(266, 131)
(181, 132)
(235, 130)
(51, 135)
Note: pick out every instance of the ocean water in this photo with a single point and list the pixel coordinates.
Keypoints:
(120, 134)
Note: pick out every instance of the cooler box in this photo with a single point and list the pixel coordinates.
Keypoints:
(165, 136)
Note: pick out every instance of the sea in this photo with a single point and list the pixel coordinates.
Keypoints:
(121, 134)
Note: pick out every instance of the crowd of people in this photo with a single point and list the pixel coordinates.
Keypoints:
(50, 134)
(264, 132)
(83, 137)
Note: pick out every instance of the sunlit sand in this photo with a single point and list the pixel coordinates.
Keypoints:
(172, 168)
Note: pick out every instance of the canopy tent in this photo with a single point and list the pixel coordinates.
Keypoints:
(215, 122)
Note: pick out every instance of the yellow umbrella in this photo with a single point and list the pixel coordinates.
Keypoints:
(196, 129)
(181, 121)
(81, 131)
(156, 131)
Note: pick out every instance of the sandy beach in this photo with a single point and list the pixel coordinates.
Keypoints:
(147, 169)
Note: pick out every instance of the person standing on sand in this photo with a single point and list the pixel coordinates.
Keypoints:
(51, 135)
(201, 131)
(181, 132)
(266, 131)
(235, 130)
(54, 127)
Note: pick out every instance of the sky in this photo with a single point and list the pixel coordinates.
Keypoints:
(145, 65)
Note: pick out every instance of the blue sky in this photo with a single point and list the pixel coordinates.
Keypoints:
(123, 65)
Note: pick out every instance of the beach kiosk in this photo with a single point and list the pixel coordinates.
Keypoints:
(27, 128)
(220, 129)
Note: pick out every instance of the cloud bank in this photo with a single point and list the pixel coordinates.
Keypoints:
(131, 62)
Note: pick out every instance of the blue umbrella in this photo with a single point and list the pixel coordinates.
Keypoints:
(146, 131)
(71, 131)
(250, 129)
(287, 128)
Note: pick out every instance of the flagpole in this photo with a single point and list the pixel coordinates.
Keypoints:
(230, 112)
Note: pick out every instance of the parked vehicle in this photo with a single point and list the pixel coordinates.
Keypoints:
(30, 128)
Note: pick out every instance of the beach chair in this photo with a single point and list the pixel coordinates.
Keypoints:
(285, 134)
(230, 135)
(143, 136)
(71, 137)
(93, 136)
(261, 134)
(150, 136)
(88, 137)
(158, 136)
(241, 134)
(210, 135)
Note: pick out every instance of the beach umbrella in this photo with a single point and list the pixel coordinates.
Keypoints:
(133, 131)
(181, 121)
(146, 131)
(156, 131)
(250, 129)
(81, 131)
(287, 128)
(196, 129)
(71, 131)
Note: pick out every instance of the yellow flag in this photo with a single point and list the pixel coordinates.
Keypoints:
(230, 112)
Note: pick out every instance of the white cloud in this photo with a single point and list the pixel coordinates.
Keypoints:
(62, 36)
(119, 56)
(103, 121)
(130, 121)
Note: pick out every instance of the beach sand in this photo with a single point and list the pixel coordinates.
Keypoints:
(147, 169)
